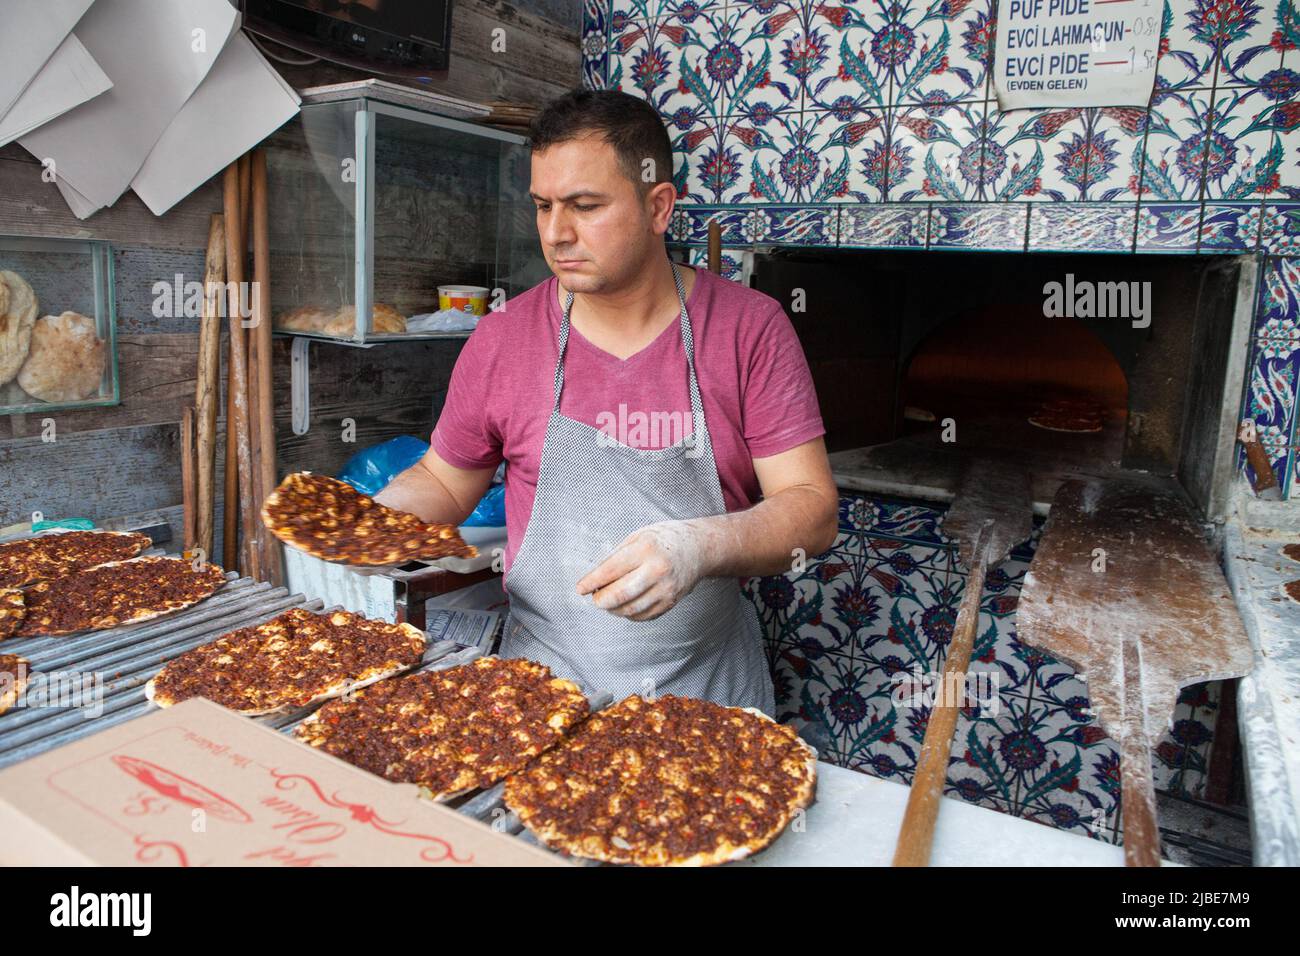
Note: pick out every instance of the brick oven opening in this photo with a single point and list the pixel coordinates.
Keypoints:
(899, 341)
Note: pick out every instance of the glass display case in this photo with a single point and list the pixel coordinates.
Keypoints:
(374, 206)
(58, 344)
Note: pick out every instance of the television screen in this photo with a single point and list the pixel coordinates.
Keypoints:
(402, 37)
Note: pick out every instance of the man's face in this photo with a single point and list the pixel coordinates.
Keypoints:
(597, 229)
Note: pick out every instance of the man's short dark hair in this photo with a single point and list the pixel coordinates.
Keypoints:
(628, 123)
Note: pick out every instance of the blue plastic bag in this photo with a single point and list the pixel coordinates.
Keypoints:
(491, 510)
(370, 469)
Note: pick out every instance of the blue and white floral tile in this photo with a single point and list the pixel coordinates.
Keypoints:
(1280, 229)
(1030, 758)
(1186, 61)
(595, 43)
(935, 152)
(848, 56)
(1286, 120)
(884, 227)
(908, 521)
(1275, 358)
(1245, 152)
(1034, 155)
(1104, 227)
(774, 58)
(732, 261)
(852, 150)
(1248, 37)
(1231, 227)
(740, 149)
(1168, 227)
(653, 59)
(986, 226)
(1112, 138)
(943, 50)
(685, 10)
(1179, 134)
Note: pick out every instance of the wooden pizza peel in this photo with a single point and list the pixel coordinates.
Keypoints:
(1125, 589)
(992, 513)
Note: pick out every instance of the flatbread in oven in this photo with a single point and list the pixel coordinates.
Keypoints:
(450, 730)
(668, 781)
(119, 592)
(1069, 415)
(13, 678)
(12, 611)
(292, 660)
(45, 556)
(331, 520)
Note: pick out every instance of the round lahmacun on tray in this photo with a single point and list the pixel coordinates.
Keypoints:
(120, 592)
(293, 660)
(666, 781)
(331, 520)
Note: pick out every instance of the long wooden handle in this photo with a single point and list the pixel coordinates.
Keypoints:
(1137, 792)
(237, 384)
(271, 566)
(916, 835)
(207, 389)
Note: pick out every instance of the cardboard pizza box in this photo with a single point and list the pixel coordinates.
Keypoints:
(198, 785)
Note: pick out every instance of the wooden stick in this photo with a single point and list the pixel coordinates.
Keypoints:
(1137, 792)
(207, 387)
(916, 835)
(237, 383)
(254, 492)
(262, 336)
(715, 247)
(188, 466)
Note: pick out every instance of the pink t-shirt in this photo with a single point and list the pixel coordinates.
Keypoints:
(757, 391)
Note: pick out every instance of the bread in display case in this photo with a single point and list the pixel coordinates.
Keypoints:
(57, 324)
(374, 204)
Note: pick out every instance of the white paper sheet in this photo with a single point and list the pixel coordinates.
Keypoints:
(156, 52)
(69, 78)
(30, 32)
(240, 102)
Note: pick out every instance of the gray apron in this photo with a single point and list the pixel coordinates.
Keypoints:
(592, 492)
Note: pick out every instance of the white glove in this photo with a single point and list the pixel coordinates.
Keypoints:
(653, 568)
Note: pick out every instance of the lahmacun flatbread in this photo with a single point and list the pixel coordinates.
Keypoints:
(1069, 415)
(668, 781)
(331, 520)
(451, 730)
(292, 660)
(13, 678)
(47, 556)
(12, 611)
(120, 592)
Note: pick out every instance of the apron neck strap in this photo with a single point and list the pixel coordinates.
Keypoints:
(688, 343)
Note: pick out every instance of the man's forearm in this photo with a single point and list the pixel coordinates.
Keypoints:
(763, 539)
(419, 492)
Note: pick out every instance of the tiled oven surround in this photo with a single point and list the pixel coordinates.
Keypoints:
(873, 125)
(882, 601)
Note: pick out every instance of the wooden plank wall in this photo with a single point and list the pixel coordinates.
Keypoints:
(124, 460)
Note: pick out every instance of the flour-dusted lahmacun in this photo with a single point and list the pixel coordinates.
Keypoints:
(13, 678)
(46, 556)
(292, 660)
(451, 730)
(667, 781)
(12, 611)
(119, 592)
(331, 520)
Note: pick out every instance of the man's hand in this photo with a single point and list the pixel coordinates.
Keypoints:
(652, 569)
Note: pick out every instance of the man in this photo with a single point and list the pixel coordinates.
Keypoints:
(626, 546)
